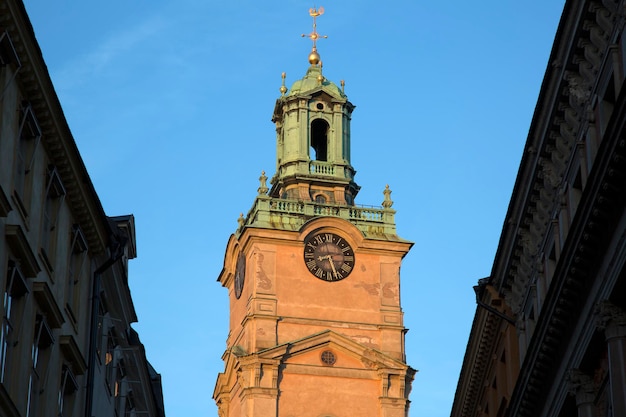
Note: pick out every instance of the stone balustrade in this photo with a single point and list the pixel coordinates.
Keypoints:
(292, 214)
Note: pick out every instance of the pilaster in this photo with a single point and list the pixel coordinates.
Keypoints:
(259, 383)
(581, 386)
(612, 320)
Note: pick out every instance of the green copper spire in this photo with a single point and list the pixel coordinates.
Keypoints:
(314, 176)
(313, 137)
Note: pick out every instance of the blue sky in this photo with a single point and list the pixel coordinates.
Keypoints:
(170, 105)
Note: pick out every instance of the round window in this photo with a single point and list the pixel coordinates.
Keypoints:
(328, 358)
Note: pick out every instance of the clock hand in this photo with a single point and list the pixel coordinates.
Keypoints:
(332, 265)
(330, 261)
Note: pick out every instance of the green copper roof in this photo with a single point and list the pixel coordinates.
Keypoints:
(311, 81)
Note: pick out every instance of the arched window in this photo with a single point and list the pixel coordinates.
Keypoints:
(319, 140)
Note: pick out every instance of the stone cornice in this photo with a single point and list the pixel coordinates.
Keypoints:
(575, 266)
(57, 138)
(595, 218)
(582, 46)
(535, 190)
(476, 363)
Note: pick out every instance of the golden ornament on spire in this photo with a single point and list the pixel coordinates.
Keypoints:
(283, 88)
(314, 57)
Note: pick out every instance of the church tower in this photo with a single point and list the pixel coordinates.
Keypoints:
(316, 326)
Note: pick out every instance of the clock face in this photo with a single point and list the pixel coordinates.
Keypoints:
(240, 274)
(328, 256)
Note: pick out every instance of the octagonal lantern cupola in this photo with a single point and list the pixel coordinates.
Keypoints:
(313, 140)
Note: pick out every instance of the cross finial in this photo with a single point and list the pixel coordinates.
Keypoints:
(314, 57)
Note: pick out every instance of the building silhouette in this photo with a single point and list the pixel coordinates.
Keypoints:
(549, 333)
(316, 327)
(67, 347)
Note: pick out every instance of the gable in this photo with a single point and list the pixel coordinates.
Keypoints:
(347, 353)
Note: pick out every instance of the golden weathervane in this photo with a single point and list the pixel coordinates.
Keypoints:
(314, 57)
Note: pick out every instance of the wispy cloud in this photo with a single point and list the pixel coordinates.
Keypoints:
(87, 67)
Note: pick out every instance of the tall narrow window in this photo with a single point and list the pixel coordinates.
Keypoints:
(129, 405)
(575, 193)
(9, 65)
(55, 193)
(550, 265)
(40, 357)
(607, 104)
(15, 288)
(76, 271)
(7, 51)
(319, 140)
(28, 139)
(109, 360)
(102, 334)
(67, 389)
(119, 389)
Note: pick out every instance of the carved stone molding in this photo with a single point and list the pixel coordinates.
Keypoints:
(597, 35)
(581, 385)
(611, 319)
(578, 90)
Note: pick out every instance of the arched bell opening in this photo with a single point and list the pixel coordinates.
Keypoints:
(319, 140)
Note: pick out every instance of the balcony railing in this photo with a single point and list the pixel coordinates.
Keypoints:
(291, 214)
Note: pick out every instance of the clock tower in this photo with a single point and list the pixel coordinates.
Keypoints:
(316, 326)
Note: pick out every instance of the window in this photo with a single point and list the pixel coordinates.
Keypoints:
(101, 333)
(575, 193)
(129, 405)
(76, 271)
(109, 360)
(328, 358)
(118, 391)
(40, 354)
(320, 198)
(67, 389)
(7, 51)
(15, 288)
(607, 104)
(8, 56)
(550, 266)
(28, 139)
(319, 140)
(55, 193)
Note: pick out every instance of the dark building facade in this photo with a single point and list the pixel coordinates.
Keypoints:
(549, 334)
(67, 347)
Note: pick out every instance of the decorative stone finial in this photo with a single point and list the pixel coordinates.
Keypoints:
(343, 86)
(387, 203)
(314, 57)
(263, 184)
(241, 220)
(283, 89)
